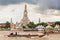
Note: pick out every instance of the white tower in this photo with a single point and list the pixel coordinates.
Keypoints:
(11, 24)
(25, 20)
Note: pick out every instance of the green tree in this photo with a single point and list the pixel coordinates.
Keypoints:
(53, 25)
(7, 25)
(38, 24)
(43, 24)
(57, 22)
(24, 27)
(31, 25)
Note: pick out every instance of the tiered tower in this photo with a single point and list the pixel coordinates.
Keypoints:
(39, 20)
(25, 20)
(11, 24)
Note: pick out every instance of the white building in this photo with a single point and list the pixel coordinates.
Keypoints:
(57, 26)
(49, 27)
(40, 28)
(25, 20)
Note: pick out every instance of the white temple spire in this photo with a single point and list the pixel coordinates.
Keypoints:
(25, 20)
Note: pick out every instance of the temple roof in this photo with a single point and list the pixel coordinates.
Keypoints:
(40, 26)
(49, 26)
(57, 26)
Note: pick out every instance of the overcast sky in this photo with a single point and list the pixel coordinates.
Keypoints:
(46, 10)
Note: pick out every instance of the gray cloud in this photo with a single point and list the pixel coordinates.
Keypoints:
(43, 4)
(7, 2)
(32, 1)
(49, 4)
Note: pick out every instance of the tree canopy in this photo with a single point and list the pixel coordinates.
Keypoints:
(31, 25)
(43, 24)
(57, 22)
(7, 25)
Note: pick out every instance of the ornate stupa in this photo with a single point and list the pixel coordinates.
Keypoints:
(25, 20)
(12, 24)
